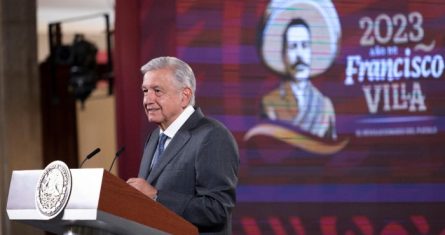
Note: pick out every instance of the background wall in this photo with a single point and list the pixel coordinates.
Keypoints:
(96, 123)
(20, 123)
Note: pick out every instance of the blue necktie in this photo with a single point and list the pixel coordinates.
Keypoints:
(159, 150)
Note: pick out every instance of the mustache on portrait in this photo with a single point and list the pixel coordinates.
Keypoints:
(299, 62)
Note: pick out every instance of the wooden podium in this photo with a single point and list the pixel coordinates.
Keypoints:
(100, 203)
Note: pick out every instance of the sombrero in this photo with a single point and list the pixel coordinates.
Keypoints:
(324, 24)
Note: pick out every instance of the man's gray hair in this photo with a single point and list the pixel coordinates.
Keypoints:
(183, 73)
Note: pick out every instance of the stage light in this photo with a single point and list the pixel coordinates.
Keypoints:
(83, 73)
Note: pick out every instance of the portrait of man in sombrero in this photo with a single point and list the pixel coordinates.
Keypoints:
(299, 41)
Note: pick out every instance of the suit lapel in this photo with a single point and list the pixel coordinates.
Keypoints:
(176, 144)
(149, 151)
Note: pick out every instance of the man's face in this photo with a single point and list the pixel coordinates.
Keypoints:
(163, 100)
(297, 54)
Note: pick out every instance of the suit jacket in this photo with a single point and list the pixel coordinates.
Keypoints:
(196, 175)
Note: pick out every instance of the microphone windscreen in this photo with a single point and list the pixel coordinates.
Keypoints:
(93, 153)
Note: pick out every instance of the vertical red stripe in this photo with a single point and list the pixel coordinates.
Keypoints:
(277, 226)
(231, 38)
(250, 226)
(126, 70)
(394, 229)
(421, 223)
(364, 225)
(296, 224)
(328, 225)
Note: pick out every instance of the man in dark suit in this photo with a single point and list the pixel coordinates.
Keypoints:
(193, 168)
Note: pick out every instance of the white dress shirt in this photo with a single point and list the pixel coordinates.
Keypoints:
(171, 130)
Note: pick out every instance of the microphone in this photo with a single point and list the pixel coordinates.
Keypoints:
(116, 156)
(89, 156)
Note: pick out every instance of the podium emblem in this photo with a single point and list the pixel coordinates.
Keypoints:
(53, 189)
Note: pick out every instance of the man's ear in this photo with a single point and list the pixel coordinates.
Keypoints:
(186, 96)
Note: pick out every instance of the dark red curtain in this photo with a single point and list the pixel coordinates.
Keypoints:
(143, 30)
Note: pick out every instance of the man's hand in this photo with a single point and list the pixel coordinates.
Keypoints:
(142, 185)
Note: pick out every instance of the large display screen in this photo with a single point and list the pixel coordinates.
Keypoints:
(337, 108)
